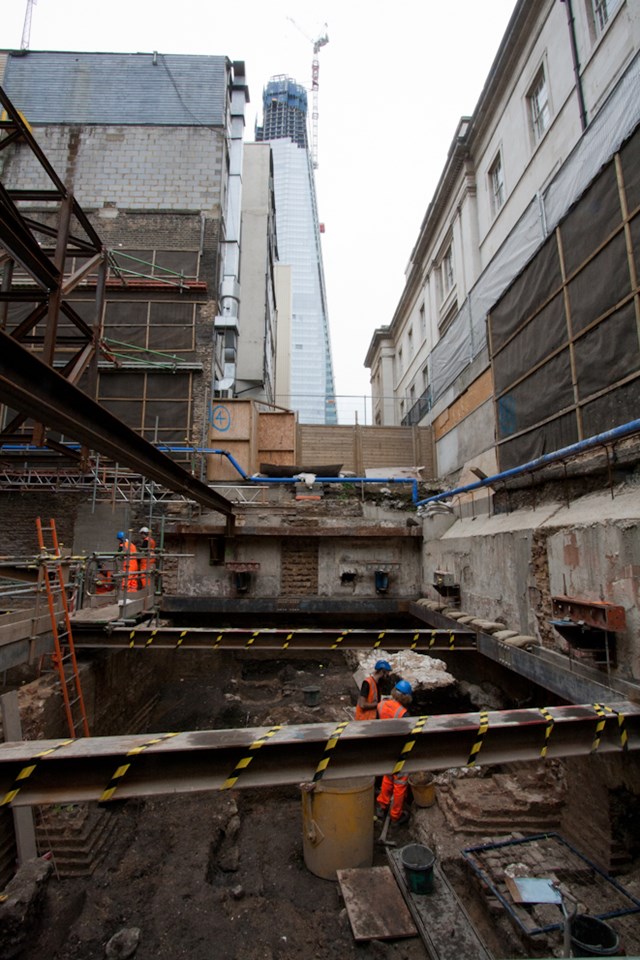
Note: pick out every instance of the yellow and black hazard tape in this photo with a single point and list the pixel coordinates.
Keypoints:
(381, 637)
(480, 735)
(287, 641)
(27, 771)
(120, 772)
(602, 719)
(148, 641)
(345, 633)
(602, 709)
(409, 745)
(328, 747)
(180, 639)
(548, 730)
(244, 763)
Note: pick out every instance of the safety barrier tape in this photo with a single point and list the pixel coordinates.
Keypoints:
(329, 746)
(602, 719)
(480, 735)
(120, 772)
(345, 633)
(548, 730)
(409, 745)
(433, 637)
(244, 763)
(624, 739)
(27, 771)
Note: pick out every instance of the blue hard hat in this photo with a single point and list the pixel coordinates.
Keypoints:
(383, 665)
(403, 686)
(120, 535)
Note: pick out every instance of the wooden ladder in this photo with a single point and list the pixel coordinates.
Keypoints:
(64, 657)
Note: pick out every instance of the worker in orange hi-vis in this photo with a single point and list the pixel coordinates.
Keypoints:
(370, 692)
(394, 787)
(130, 563)
(147, 558)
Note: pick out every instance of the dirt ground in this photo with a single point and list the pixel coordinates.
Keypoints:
(223, 874)
(217, 875)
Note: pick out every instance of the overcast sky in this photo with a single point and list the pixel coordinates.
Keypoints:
(394, 80)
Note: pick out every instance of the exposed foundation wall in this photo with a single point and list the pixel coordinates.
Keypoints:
(301, 566)
(509, 566)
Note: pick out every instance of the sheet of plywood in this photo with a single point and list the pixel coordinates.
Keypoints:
(375, 906)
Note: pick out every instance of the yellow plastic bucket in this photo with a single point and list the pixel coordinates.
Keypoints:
(423, 789)
(337, 826)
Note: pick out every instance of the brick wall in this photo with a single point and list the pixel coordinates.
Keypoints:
(18, 512)
(299, 568)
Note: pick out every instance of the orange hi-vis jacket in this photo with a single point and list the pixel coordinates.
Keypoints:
(372, 697)
(390, 710)
(129, 565)
(147, 562)
(393, 789)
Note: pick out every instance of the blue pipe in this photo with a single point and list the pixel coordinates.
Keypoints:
(600, 439)
(245, 476)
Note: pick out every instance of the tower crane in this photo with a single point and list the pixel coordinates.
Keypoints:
(318, 43)
(26, 29)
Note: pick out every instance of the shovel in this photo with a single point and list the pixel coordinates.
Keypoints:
(382, 839)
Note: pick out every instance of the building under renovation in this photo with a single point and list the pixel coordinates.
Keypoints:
(195, 586)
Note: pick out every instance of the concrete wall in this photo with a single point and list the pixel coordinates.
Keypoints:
(510, 565)
(319, 568)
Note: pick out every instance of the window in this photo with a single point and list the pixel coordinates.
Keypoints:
(423, 322)
(446, 272)
(603, 10)
(496, 185)
(425, 377)
(410, 343)
(539, 109)
(400, 362)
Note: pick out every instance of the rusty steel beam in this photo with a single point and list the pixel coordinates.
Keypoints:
(266, 638)
(29, 385)
(114, 768)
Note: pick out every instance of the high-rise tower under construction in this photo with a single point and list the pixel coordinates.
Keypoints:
(284, 127)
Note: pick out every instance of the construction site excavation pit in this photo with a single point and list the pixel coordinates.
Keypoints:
(222, 874)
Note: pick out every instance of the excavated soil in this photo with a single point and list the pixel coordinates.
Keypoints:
(223, 875)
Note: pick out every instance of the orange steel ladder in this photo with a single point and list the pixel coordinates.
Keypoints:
(64, 658)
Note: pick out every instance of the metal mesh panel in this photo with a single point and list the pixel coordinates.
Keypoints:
(546, 332)
(630, 161)
(534, 285)
(603, 280)
(608, 353)
(561, 432)
(617, 406)
(593, 218)
(547, 390)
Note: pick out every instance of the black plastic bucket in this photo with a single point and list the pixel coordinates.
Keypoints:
(418, 861)
(311, 696)
(591, 937)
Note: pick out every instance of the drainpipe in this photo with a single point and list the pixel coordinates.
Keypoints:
(226, 323)
(576, 63)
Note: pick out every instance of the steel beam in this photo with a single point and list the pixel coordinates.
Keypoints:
(29, 385)
(265, 638)
(113, 768)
